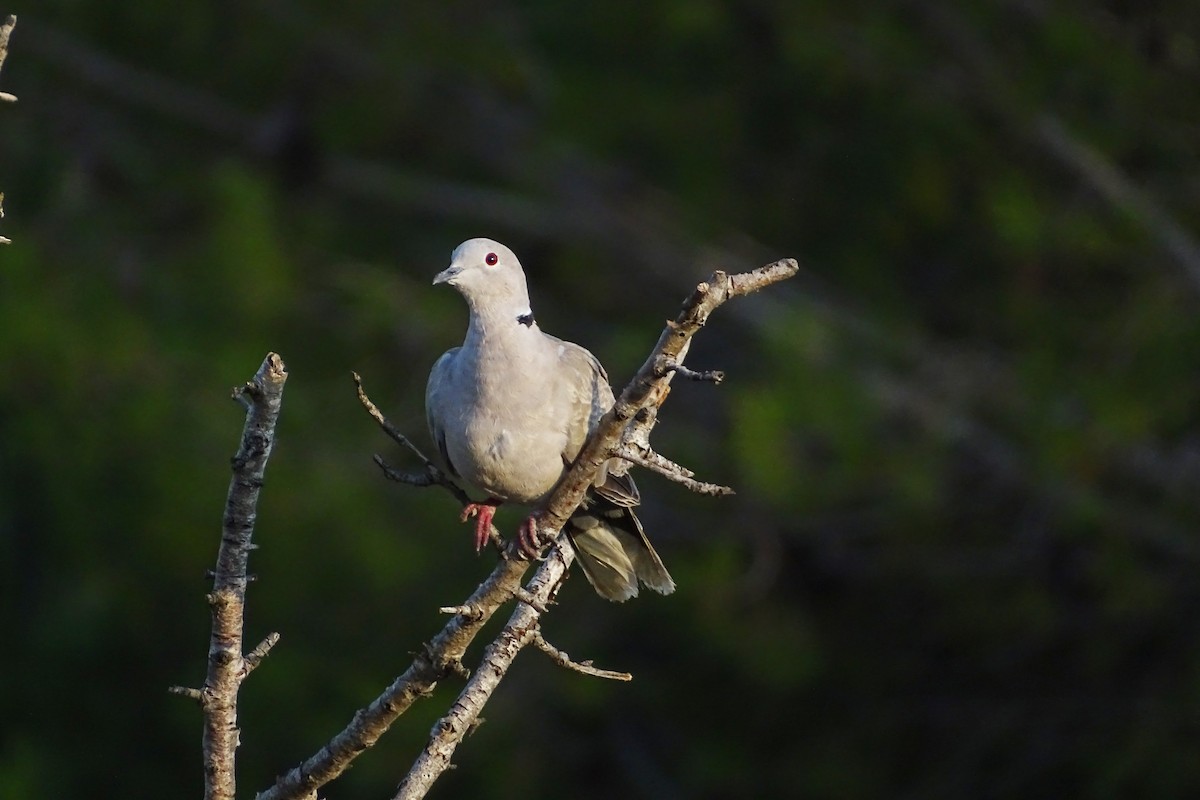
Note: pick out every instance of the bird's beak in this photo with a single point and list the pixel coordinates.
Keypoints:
(447, 275)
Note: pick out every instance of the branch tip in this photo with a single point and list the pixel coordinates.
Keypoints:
(470, 612)
(710, 376)
(583, 667)
(644, 457)
(188, 692)
(256, 656)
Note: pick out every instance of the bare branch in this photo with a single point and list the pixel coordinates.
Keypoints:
(440, 658)
(648, 387)
(645, 391)
(443, 655)
(432, 476)
(463, 716)
(585, 667)
(188, 692)
(255, 656)
(227, 667)
(712, 376)
(5, 31)
(647, 458)
(418, 479)
(387, 426)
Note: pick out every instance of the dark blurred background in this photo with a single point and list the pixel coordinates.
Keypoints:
(962, 560)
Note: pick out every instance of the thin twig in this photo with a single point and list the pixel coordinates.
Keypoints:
(432, 476)
(585, 667)
(387, 426)
(712, 375)
(418, 479)
(188, 692)
(648, 459)
(255, 656)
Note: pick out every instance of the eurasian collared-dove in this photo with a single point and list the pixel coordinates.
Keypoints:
(510, 410)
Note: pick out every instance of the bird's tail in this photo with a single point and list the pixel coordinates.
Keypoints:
(612, 549)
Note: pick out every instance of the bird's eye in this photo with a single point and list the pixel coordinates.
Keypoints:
(490, 259)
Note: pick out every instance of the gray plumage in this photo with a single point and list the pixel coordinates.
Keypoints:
(510, 409)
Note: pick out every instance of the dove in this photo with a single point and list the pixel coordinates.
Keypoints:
(510, 410)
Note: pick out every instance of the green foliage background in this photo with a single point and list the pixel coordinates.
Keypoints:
(963, 557)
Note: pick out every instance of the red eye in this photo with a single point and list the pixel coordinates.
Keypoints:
(491, 259)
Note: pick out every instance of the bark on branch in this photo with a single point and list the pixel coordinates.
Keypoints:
(227, 666)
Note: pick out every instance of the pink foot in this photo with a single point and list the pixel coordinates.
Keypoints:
(528, 541)
(483, 513)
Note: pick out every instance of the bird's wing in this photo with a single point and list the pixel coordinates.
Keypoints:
(583, 396)
(435, 403)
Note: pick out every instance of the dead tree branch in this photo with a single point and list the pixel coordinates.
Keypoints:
(644, 457)
(227, 666)
(463, 717)
(648, 386)
(5, 32)
(442, 656)
(644, 392)
(438, 659)
(585, 667)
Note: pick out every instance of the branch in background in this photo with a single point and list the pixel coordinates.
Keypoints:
(5, 32)
(998, 92)
(644, 393)
(227, 667)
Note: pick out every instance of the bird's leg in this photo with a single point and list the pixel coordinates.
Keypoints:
(528, 541)
(483, 513)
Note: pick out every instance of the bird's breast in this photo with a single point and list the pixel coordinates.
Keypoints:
(515, 462)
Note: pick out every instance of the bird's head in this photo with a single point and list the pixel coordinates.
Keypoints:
(488, 275)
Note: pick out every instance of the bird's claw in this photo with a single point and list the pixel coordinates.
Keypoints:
(483, 513)
(529, 542)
